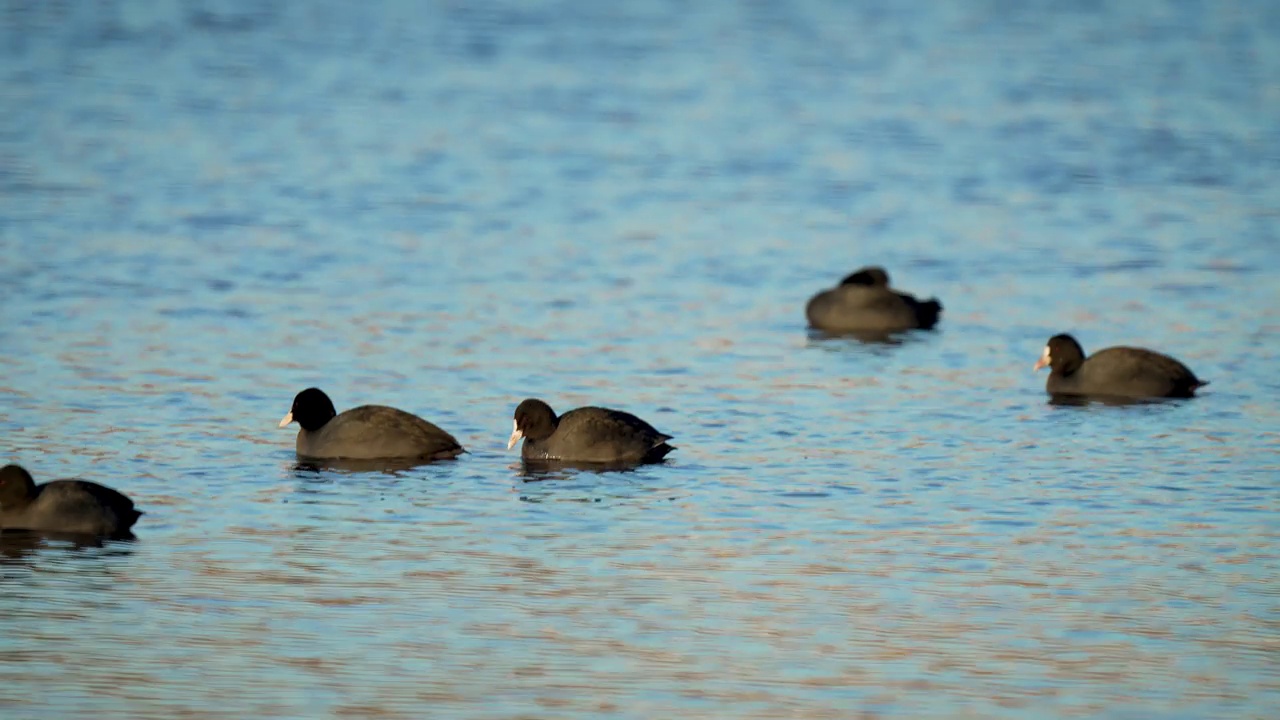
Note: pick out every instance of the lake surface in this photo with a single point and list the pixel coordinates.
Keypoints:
(206, 207)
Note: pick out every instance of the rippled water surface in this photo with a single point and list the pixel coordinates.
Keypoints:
(208, 206)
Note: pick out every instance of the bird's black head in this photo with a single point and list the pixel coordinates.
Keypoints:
(1063, 354)
(311, 409)
(871, 276)
(534, 420)
(16, 487)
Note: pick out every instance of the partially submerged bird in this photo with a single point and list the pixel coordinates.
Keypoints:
(64, 506)
(585, 435)
(1125, 372)
(368, 432)
(864, 302)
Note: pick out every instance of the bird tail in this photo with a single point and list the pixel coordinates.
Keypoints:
(928, 312)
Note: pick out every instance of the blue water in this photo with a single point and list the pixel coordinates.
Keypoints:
(448, 207)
